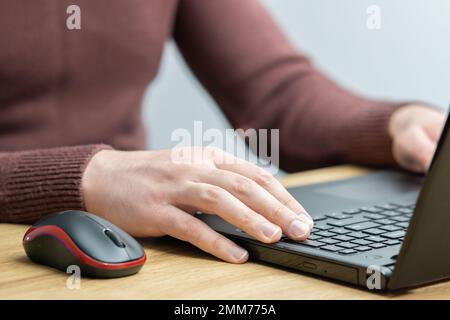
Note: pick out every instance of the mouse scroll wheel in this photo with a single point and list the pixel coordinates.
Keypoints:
(114, 238)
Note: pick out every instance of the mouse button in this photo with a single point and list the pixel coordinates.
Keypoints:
(90, 238)
(134, 249)
(114, 238)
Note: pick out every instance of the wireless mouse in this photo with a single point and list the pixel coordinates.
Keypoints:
(98, 247)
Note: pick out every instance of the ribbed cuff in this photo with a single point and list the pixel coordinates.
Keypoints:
(39, 182)
(368, 135)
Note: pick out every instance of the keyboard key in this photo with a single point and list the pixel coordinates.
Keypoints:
(331, 248)
(391, 228)
(375, 231)
(338, 215)
(312, 243)
(340, 231)
(401, 219)
(314, 237)
(391, 242)
(373, 216)
(322, 227)
(375, 239)
(329, 240)
(402, 224)
(363, 248)
(404, 210)
(346, 222)
(325, 234)
(357, 235)
(371, 209)
(362, 226)
(344, 238)
(351, 211)
(347, 245)
(308, 243)
(387, 206)
(386, 221)
(377, 245)
(361, 242)
(390, 213)
(348, 251)
(394, 235)
(318, 218)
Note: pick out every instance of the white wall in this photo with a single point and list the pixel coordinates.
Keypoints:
(408, 58)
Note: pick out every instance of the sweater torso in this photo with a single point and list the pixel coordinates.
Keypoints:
(61, 87)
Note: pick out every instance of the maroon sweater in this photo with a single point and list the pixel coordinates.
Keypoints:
(64, 94)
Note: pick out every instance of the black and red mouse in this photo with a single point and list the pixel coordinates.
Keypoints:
(99, 248)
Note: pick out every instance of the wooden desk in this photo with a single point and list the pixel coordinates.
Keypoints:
(176, 270)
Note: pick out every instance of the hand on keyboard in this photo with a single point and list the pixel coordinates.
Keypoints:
(359, 230)
(149, 193)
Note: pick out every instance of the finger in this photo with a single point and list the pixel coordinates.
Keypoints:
(413, 149)
(213, 199)
(184, 226)
(434, 132)
(261, 201)
(261, 177)
(435, 125)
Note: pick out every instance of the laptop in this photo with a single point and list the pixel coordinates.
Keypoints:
(389, 230)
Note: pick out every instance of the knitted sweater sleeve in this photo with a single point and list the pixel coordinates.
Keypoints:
(38, 182)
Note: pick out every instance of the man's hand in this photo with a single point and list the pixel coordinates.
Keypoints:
(415, 131)
(147, 193)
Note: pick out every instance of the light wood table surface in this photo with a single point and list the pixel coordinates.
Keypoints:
(176, 270)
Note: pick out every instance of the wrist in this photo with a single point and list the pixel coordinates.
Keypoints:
(399, 119)
(369, 141)
(93, 178)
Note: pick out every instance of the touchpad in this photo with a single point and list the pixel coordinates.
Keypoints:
(371, 188)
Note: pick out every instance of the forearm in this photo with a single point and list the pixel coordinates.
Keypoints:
(261, 81)
(323, 124)
(38, 182)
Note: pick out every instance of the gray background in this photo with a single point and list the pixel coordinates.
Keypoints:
(408, 58)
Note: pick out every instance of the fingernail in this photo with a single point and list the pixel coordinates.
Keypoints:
(270, 230)
(238, 253)
(299, 229)
(307, 219)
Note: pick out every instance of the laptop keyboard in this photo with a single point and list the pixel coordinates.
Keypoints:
(359, 230)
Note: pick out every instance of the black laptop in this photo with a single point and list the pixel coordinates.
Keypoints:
(388, 230)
